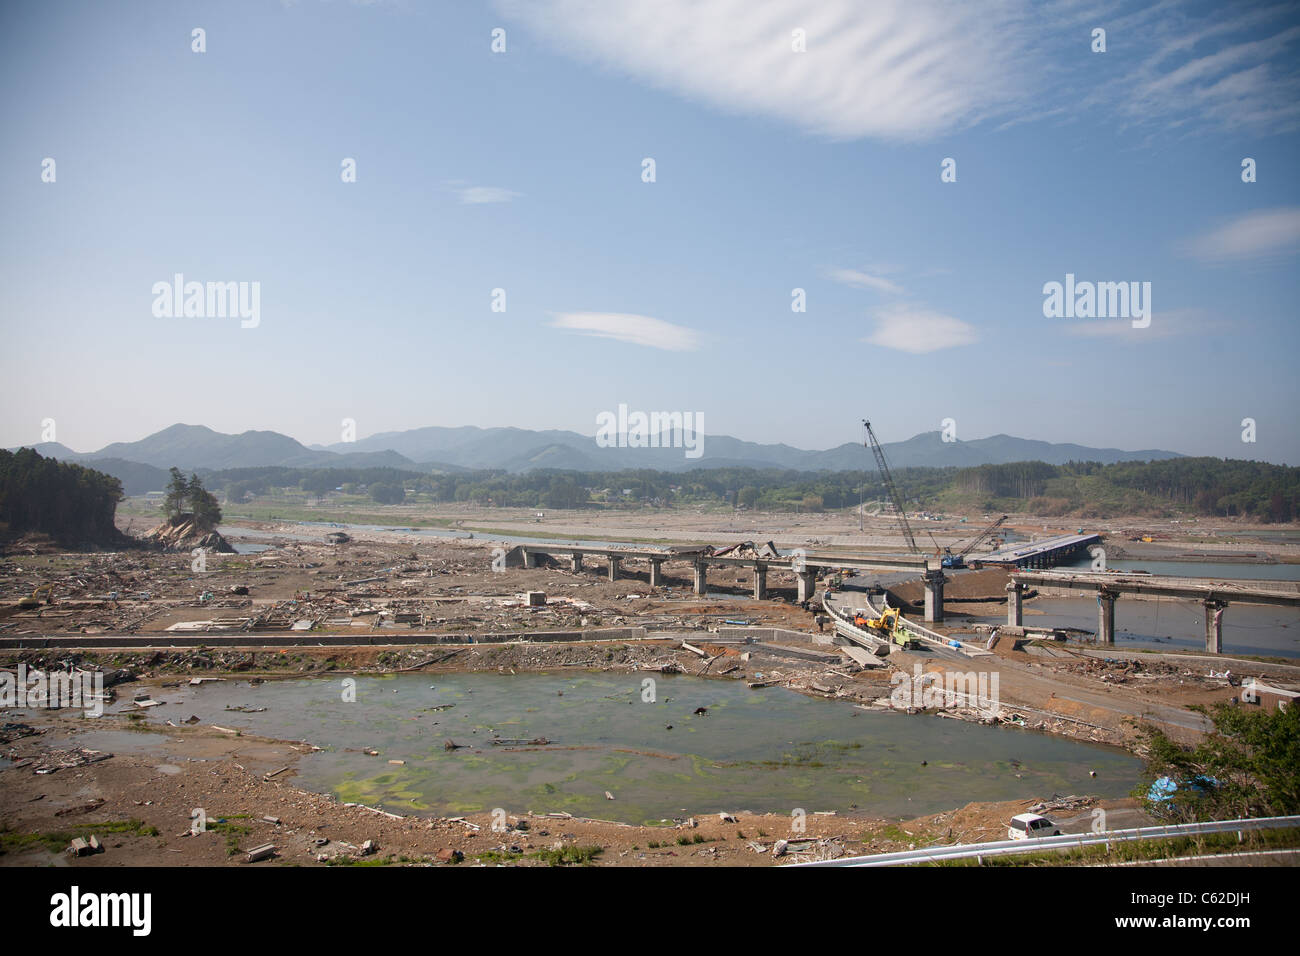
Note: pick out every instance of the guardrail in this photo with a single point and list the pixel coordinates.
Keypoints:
(842, 624)
(920, 632)
(1066, 841)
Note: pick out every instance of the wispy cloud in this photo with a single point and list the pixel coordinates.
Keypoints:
(913, 70)
(477, 195)
(1164, 325)
(1255, 235)
(633, 329)
(910, 329)
(890, 69)
(861, 280)
(1220, 67)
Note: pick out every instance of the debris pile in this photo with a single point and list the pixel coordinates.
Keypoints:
(184, 533)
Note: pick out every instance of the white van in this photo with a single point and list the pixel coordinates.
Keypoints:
(1027, 826)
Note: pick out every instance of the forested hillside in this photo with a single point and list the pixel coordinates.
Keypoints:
(72, 504)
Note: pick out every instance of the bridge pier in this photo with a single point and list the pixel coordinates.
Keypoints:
(1106, 616)
(656, 573)
(934, 597)
(1214, 625)
(760, 582)
(701, 577)
(615, 563)
(807, 585)
(575, 562)
(1015, 604)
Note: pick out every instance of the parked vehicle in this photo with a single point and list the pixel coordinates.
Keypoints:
(1028, 826)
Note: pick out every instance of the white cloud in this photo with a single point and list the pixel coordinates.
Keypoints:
(477, 195)
(909, 329)
(1253, 235)
(634, 329)
(1210, 68)
(861, 280)
(890, 69)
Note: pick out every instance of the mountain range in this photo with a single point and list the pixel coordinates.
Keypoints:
(142, 465)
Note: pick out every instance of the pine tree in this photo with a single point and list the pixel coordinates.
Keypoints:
(178, 493)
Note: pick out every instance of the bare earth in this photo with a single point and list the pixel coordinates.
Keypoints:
(399, 584)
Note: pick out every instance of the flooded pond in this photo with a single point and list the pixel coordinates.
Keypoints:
(768, 750)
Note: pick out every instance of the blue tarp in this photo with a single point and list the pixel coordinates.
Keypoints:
(1165, 787)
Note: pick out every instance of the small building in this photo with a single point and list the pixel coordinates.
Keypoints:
(1266, 696)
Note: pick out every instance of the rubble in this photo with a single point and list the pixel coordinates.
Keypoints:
(52, 761)
(184, 533)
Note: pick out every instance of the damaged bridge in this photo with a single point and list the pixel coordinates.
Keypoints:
(805, 565)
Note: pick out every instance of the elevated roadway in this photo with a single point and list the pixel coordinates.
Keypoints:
(1214, 595)
(804, 564)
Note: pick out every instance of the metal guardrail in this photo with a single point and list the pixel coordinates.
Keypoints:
(1066, 841)
(921, 633)
(842, 625)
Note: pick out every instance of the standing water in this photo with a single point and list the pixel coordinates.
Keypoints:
(768, 750)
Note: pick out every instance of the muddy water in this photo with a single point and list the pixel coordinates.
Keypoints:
(1173, 625)
(1216, 570)
(768, 750)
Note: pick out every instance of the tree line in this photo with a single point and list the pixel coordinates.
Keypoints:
(1224, 487)
(70, 503)
(1205, 486)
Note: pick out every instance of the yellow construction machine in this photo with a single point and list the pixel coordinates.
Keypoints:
(886, 625)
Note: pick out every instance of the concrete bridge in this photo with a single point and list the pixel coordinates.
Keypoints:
(1038, 554)
(1215, 596)
(804, 564)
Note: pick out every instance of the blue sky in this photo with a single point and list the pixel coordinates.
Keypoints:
(775, 170)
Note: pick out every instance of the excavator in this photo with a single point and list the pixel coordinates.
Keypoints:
(886, 625)
(887, 621)
(958, 560)
(41, 594)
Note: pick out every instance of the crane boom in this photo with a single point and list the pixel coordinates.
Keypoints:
(982, 536)
(889, 486)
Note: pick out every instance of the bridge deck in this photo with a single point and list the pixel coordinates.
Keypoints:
(811, 559)
(1047, 549)
(1237, 592)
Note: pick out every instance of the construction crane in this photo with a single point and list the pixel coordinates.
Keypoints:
(889, 486)
(938, 548)
(959, 559)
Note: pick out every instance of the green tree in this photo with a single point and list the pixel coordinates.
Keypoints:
(203, 504)
(178, 493)
(388, 493)
(66, 501)
(1252, 755)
